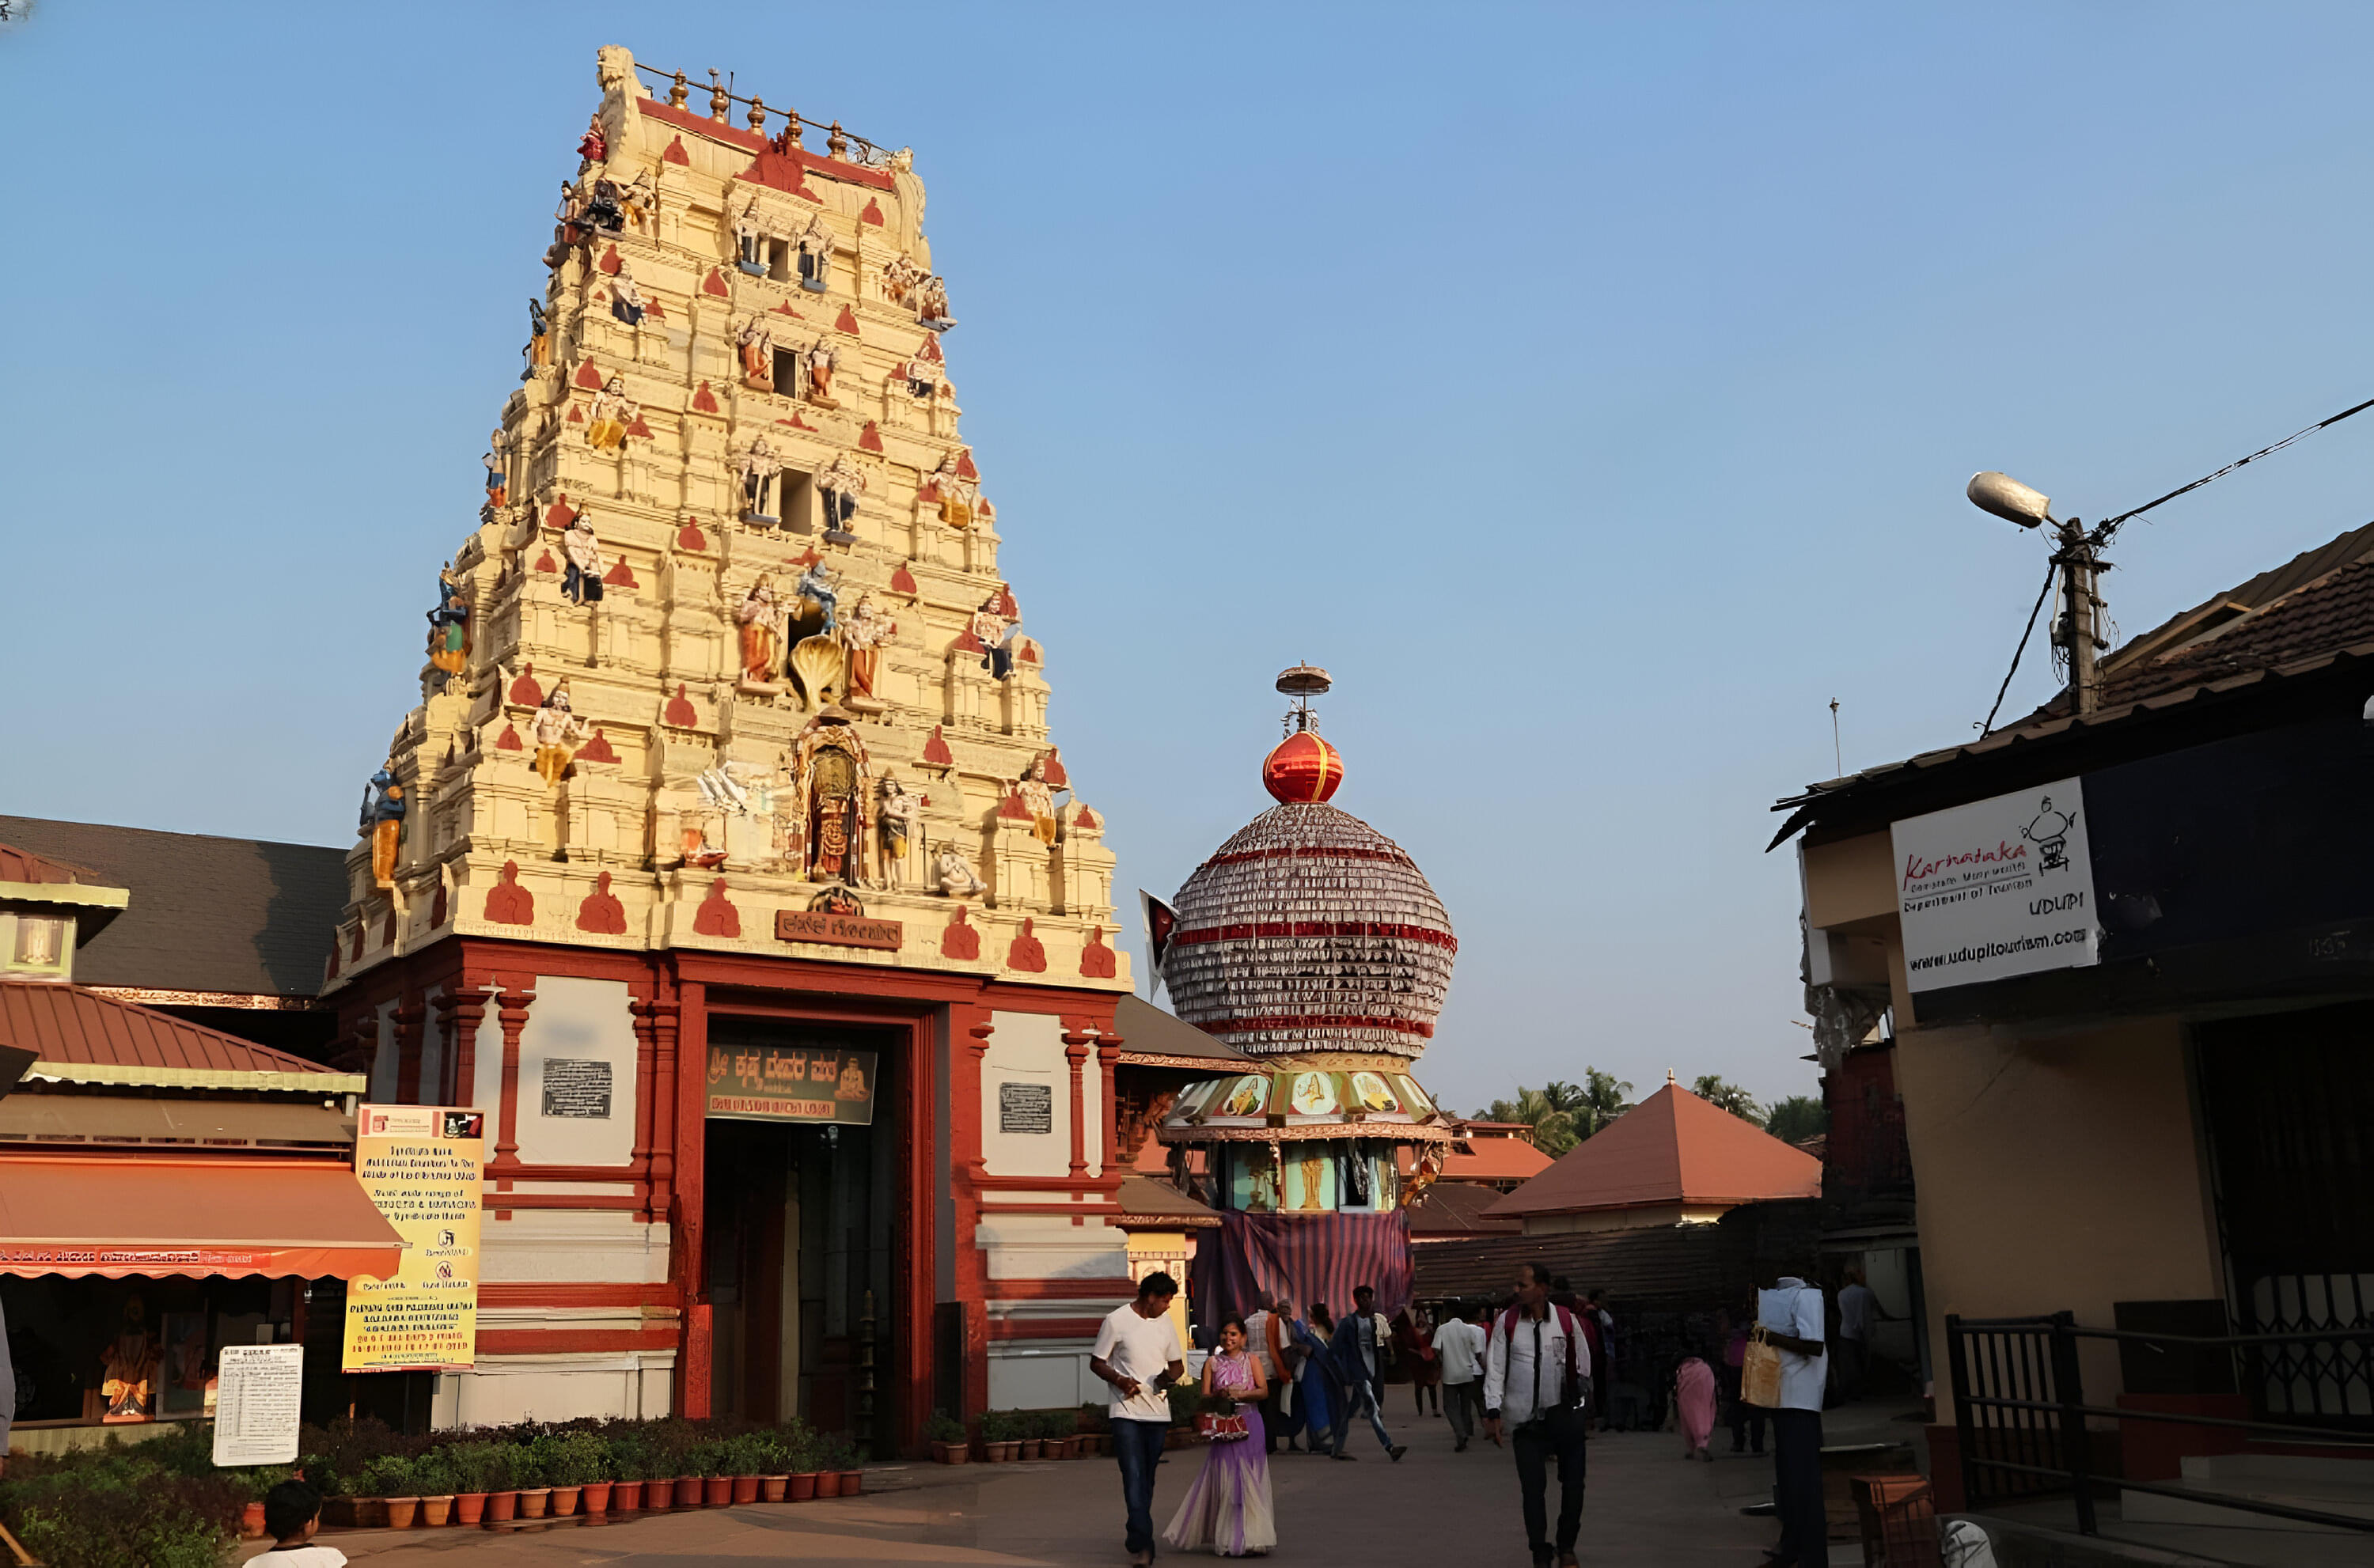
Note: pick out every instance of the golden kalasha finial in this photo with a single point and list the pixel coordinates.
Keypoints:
(791, 128)
(837, 144)
(718, 100)
(758, 113)
(676, 92)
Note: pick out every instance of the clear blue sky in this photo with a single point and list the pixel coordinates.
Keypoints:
(1590, 389)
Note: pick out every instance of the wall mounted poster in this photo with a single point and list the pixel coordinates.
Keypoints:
(256, 1415)
(423, 1166)
(1996, 889)
(792, 1082)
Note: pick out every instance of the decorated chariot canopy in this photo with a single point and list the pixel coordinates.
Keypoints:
(1310, 930)
(1295, 1104)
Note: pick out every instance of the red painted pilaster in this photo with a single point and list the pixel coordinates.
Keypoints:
(1075, 1051)
(691, 1085)
(519, 994)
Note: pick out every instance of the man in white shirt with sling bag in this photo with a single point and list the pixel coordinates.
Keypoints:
(1537, 1385)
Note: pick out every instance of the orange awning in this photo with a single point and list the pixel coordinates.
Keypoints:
(115, 1217)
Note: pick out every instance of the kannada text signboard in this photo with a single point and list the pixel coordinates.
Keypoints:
(423, 1166)
(1996, 889)
(792, 1082)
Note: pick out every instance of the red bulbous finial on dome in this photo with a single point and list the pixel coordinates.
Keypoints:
(1302, 768)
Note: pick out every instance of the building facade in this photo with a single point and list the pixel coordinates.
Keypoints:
(727, 860)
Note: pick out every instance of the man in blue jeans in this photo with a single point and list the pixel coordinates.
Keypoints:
(1137, 1351)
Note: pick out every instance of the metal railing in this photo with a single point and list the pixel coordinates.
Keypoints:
(2020, 1412)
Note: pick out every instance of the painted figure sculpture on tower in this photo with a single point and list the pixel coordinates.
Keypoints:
(816, 256)
(863, 633)
(625, 299)
(897, 814)
(822, 360)
(556, 732)
(840, 484)
(955, 492)
(383, 822)
(497, 460)
(538, 352)
(582, 579)
(613, 411)
(955, 876)
(757, 342)
(759, 620)
(449, 625)
(758, 468)
(750, 241)
(821, 584)
(1039, 801)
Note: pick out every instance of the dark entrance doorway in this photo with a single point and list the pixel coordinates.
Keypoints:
(2288, 1100)
(797, 1245)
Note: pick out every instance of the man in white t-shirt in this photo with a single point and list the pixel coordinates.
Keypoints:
(1791, 1315)
(293, 1512)
(1459, 1343)
(1137, 1351)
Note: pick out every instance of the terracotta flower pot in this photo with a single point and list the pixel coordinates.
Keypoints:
(469, 1508)
(598, 1497)
(687, 1492)
(827, 1484)
(658, 1495)
(716, 1492)
(746, 1489)
(564, 1501)
(502, 1507)
(804, 1486)
(851, 1482)
(770, 1487)
(250, 1522)
(400, 1511)
(533, 1501)
(437, 1512)
(625, 1496)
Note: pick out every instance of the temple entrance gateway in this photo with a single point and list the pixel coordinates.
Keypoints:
(800, 1197)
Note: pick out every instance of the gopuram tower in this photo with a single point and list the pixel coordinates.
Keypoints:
(1311, 941)
(727, 860)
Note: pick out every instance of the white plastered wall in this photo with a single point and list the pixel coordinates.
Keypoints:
(578, 1021)
(1025, 1048)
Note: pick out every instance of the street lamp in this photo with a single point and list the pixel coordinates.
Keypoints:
(2074, 629)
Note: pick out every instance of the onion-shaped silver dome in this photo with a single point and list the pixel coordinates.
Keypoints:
(1310, 930)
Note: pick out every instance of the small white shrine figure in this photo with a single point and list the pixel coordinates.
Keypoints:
(613, 412)
(557, 731)
(955, 876)
(863, 633)
(842, 485)
(582, 581)
(761, 622)
(926, 373)
(757, 342)
(996, 631)
(955, 493)
(822, 360)
(750, 242)
(625, 299)
(897, 814)
(900, 279)
(816, 256)
(1039, 799)
(932, 304)
(759, 467)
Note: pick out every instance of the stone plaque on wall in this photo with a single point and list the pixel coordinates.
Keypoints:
(1026, 1108)
(576, 1090)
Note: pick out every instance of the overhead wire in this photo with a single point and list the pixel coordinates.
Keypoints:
(2052, 570)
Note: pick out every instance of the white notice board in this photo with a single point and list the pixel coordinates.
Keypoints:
(256, 1404)
(1995, 888)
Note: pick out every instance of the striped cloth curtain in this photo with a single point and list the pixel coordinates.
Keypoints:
(1306, 1258)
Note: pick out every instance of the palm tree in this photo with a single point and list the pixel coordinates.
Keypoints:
(1797, 1118)
(1600, 1101)
(1553, 1125)
(1728, 1097)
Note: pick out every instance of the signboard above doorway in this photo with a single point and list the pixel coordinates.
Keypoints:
(1997, 887)
(839, 930)
(792, 1082)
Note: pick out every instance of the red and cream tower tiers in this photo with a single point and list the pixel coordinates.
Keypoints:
(728, 861)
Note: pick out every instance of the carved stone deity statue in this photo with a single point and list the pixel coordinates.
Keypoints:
(1039, 799)
(449, 625)
(759, 466)
(932, 304)
(955, 876)
(582, 579)
(759, 620)
(538, 352)
(816, 256)
(897, 814)
(641, 200)
(625, 299)
(821, 584)
(557, 731)
(840, 484)
(757, 342)
(863, 633)
(498, 461)
(823, 359)
(383, 822)
(613, 411)
(900, 279)
(956, 493)
(750, 241)
(831, 766)
(594, 147)
(995, 630)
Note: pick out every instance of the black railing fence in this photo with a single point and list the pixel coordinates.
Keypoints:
(2020, 1410)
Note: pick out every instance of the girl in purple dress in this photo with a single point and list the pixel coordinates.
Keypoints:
(1228, 1507)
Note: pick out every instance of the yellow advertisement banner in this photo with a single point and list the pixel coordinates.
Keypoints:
(424, 1167)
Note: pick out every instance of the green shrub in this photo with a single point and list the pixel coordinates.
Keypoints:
(1058, 1425)
(432, 1473)
(390, 1475)
(1184, 1399)
(528, 1467)
(334, 1456)
(839, 1453)
(480, 1465)
(569, 1458)
(113, 1508)
(1001, 1426)
(630, 1452)
(943, 1428)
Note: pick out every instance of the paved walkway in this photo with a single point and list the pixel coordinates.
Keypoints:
(1647, 1507)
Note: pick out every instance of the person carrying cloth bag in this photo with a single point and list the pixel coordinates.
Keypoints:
(1787, 1370)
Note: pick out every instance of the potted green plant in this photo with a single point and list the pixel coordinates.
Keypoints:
(432, 1474)
(999, 1435)
(1059, 1430)
(388, 1479)
(479, 1471)
(946, 1437)
(629, 1465)
(841, 1459)
(527, 1477)
(803, 1460)
(771, 1451)
(569, 1460)
(710, 1461)
(1096, 1425)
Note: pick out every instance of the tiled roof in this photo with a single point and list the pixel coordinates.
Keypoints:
(208, 914)
(1492, 1157)
(2331, 612)
(1671, 1148)
(1451, 1209)
(1151, 1038)
(1680, 1265)
(81, 1036)
(19, 865)
(1143, 1198)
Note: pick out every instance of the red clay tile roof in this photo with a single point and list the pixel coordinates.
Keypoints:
(1492, 1157)
(22, 865)
(72, 1026)
(2333, 611)
(1451, 1209)
(1671, 1148)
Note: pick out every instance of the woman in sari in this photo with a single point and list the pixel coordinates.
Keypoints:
(1314, 1386)
(1694, 1390)
(1228, 1507)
